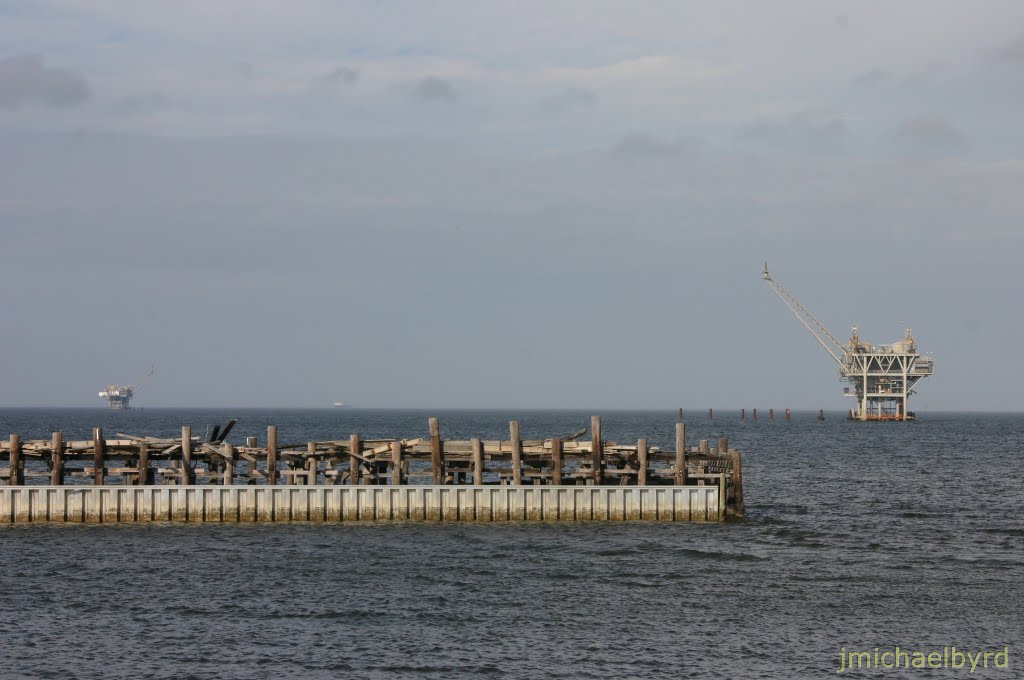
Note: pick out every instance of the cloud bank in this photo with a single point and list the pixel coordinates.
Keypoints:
(25, 79)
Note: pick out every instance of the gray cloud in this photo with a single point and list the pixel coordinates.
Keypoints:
(434, 89)
(144, 103)
(875, 76)
(641, 146)
(342, 75)
(24, 78)
(803, 130)
(569, 99)
(245, 69)
(928, 134)
(1013, 50)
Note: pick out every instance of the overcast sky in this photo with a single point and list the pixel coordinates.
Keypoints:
(506, 204)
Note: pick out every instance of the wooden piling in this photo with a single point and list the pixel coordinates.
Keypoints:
(711, 414)
(556, 461)
(723, 445)
(312, 464)
(57, 459)
(641, 455)
(145, 475)
(251, 469)
(722, 484)
(396, 464)
(478, 461)
(354, 464)
(737, 480)
(98, 446)
(596, 448)
(704, 447)
(743, 414)
(788, 414)
(755, 414)
(271, 455)
(229, 463)
(517, 453)
(187, 472)
(771, 414)
(312, 470)
(436, 459)
(17, 477)
(680, 454)
(821, 414)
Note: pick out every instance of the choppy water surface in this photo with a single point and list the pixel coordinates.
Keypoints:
(857, 535)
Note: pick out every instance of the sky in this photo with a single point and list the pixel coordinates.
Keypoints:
(506, 204)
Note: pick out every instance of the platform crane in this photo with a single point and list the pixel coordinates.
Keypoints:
(119, 397)
(883, 376)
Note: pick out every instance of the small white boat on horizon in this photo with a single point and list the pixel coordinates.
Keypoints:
(341, 404)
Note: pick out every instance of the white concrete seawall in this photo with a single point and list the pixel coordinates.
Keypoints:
(214, 503)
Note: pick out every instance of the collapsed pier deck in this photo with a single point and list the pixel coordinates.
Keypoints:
(142, 478)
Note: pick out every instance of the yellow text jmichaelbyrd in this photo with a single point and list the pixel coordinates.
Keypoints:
(947, 657)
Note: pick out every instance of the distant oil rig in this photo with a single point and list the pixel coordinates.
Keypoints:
(883, 376)
(119, 397)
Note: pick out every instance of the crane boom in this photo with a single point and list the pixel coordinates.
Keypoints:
(820, 333)
(146, 377)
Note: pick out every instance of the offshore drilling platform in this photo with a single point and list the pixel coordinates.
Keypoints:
(883, 376)
(119, 397)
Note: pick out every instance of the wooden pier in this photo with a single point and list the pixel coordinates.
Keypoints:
(136, 478)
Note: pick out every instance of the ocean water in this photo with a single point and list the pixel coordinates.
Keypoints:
(857, 536)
